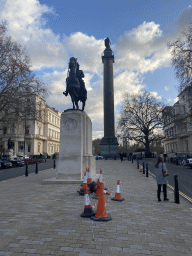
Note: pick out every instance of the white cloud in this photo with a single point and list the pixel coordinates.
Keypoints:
(167, 88)
(155, 95)
(87, 49)
(176, 99)
(184, 20)
(126, 82)
(25, 24)
(143, 49)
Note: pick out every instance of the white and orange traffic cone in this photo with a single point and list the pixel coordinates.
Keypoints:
(89, 179)
(141, 168)
(106, 192)
(101, 214)
(118, 193)
(88, 211)
(101, 178)
(81, 192)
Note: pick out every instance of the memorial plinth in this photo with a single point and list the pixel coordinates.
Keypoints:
(75, 150)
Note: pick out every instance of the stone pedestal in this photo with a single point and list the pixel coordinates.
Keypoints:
(75, 151)
(9, 153)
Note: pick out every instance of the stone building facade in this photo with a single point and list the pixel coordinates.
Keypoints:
(33, 136)
(178, 126)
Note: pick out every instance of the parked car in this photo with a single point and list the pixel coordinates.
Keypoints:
(17, 162)
(189, 162)
(5, 163)
(98, 157)
(23, 157)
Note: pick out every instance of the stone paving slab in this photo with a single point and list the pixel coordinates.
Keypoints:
(38, 219)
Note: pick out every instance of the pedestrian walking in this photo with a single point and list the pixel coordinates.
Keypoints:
(161, 180)
(121, 156)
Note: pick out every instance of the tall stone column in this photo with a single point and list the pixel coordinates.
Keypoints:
(109, 144)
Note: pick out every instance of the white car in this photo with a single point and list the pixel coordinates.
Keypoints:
(22, 157)
(189, 162)
(98, 157)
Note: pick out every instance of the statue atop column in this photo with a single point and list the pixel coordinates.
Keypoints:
(107, 43)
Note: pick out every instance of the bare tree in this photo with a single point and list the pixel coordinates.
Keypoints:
(181, 51)
(141, 119)
(18, 85)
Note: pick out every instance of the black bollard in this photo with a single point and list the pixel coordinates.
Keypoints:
(36, 168)
(176, 192)
(137, 163)
(147, 175)
(143, 168)
(26, 169)
(54, 165)
(114, 157)
(132, 159)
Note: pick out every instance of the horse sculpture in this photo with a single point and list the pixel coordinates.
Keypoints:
(75, 84)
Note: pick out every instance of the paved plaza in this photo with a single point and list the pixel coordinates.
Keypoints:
(45, 220)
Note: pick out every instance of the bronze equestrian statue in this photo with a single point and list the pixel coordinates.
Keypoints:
(75, 85)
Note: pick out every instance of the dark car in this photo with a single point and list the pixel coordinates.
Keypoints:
(5, 163)
(17, 162)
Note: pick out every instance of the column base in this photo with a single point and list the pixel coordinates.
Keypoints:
(109, 147)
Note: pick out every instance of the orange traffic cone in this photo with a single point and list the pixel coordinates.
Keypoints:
(88, 211)
(89, 179)
(118, 194)
(101, 214)
(141, 168)
(81, 192)
(84, 181)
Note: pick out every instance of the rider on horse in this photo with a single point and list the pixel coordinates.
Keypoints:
(75, 84)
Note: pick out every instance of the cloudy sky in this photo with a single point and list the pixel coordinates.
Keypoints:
(55, 30)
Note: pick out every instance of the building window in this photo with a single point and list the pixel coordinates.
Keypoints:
(27, 130)
(39, 148)
(13, 128)
(5, 130)
(51, 149)
(20, 145)
(187, 145)
(29, 147)
(49, 132)
(39, 130)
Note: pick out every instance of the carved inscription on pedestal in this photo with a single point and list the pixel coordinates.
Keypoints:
(70, 124)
